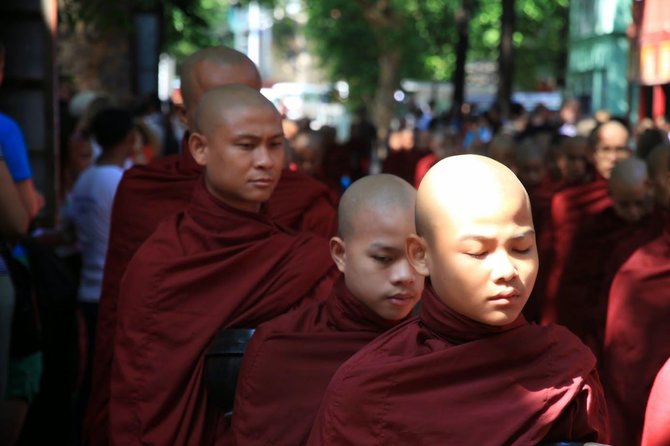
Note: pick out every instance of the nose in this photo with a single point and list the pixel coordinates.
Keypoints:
(502, 268)
(403, 273)
(264, 158)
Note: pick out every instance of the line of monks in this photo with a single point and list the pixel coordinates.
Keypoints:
(222, 237)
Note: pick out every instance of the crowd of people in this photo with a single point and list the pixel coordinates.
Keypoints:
(500, 282)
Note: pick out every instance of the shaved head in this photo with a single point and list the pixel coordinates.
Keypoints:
(630, 189)
(610, 145)
(531, 162)
(213, 67)
(216, 105)
(375, 193)
(461, 184)
(502, 148)
(475, 238)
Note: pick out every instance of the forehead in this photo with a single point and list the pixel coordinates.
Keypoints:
(628, 192)
(250, 119)
(613, 133)
(379, 221)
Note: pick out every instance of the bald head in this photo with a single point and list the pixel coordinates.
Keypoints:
(531, 162)
(658, 163)
(464, 184)
(211, 68)
(610, 145)
(376, 193)
(630, 189)
(216, 106)
(502, 148)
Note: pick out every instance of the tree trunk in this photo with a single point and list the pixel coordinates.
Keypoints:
(382, 110)
(462, 20)
(505, 61)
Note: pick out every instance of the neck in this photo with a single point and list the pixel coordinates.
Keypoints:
(114, 157)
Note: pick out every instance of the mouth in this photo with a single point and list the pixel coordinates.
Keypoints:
(262, 182)
(401, 299)
(506, 296)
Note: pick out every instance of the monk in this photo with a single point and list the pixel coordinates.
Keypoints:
(221, 263)
(636, 332)
(574, 207)
(580, 303)
(657, 418)
(469, 369)
(149, 194)
(291, 359)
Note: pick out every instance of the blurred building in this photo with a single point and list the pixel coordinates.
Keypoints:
(598, 54)
(654, 58)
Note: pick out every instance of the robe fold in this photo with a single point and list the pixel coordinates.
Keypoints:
(571, 210)
(445, 379)
(289, 362)
(146, 196)
(657, 417)
(207, 268)
(579, 302)
(636, 336)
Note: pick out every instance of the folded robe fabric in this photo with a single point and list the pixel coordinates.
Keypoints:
(289, 362)
(445, 379)
(146, 196)
(636, 335)
(207, 268)
(571, 209)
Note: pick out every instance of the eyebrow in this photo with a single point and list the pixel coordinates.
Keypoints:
(252, 136)
(384, 247)
(520, 235)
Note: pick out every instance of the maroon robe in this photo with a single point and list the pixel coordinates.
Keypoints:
(657, 418)
(289, 362)
(146, 196)
(207, 268)
(571, 209)
(580, 304)
(636, 335)
(540, 199)
(444, 379)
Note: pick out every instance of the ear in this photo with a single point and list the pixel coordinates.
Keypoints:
(417, 254)
(197, 144)
(338, 252)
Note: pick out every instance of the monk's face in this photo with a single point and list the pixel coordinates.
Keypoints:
(612, 146)
(375, 264)
(632, 202)
(482, 257)
(307, 155)
(531, 171)
(573, 162)
(244, 156)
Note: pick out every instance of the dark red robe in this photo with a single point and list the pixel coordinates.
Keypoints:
(580, 304)
(657, 418)
(146, 196)
(423, 166)
(207, 268)
(571, 209)
(636, 335)
(444, 379)
(289, 362)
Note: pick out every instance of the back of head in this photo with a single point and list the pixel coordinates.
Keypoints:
(648, 140)
(630, 189)
(110, 126)
(211, 68)
(531, 162)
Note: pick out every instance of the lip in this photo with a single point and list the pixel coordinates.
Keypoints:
(262, 182)
(507, 296)
(401, 299)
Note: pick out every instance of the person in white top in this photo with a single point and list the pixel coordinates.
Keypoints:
(89, 210)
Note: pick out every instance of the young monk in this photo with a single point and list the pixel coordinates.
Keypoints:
(221, 263)
(574, 207)
(469, 369)
(149, 194)
(579, 302)
(637, 329)
(291, 359)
